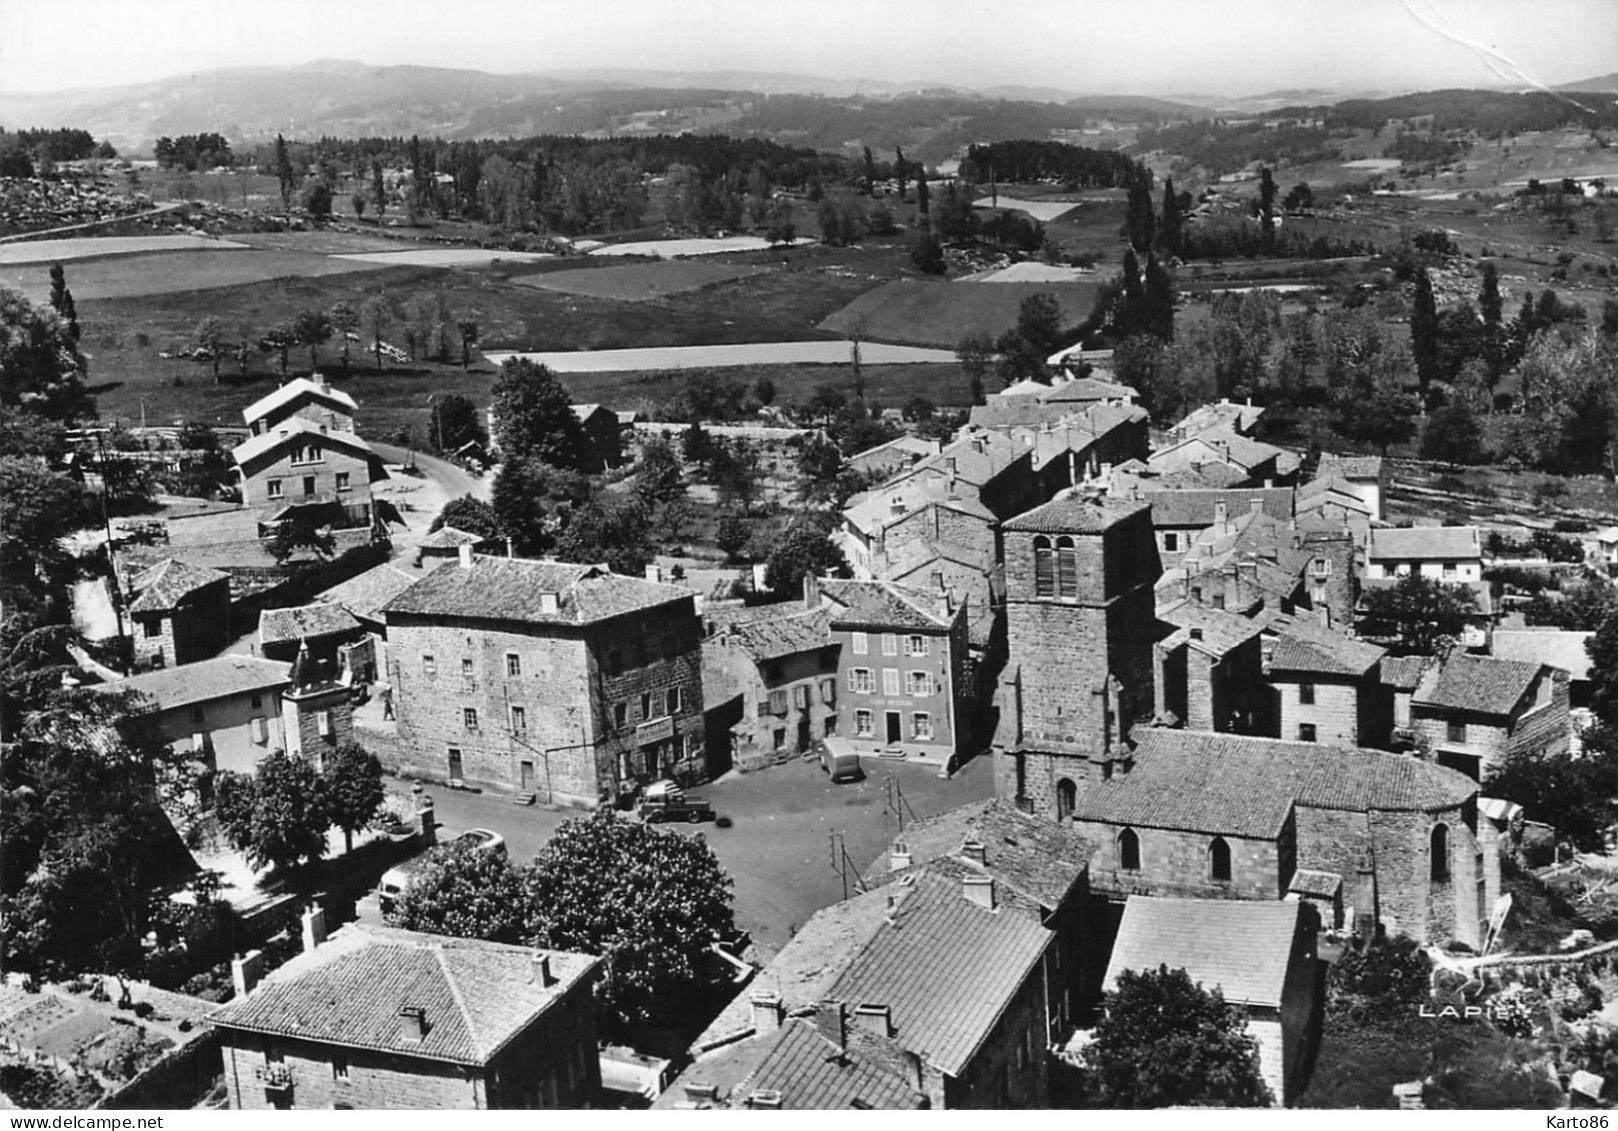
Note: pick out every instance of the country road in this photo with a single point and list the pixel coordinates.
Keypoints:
(419, 499)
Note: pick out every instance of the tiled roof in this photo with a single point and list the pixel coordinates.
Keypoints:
(1041, 860)
(1309, 647)
(1321, 885)
(1404, 672)
(885, 506)
(1174, 507)
(585, 411)
(1241, 947)
(813, 1074)
(885, 604)
(364, 594)
(1220, 631)
(297, 430)
(979, 456)
(281, 626)
(509, 589)
(1086, 389)
(205, 680)
(765, 640)
(1424, 543)
(946, 967)
(1071, 513)
(907, 444)
(1223, 444)
(1348, 467)
(1559, 649)
(291, 391)
(1200, 781)
(1219, 415)
(448, 538)
(348, 991)
(164, 585)
(1482, 684)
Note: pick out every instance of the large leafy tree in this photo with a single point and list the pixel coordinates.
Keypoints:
(1424, 331)
(311, 328)
(345, 320)
(534, 417)
(650, 902)
(40, 361)
(210, 338)
(456, 422)
(1166, 1042)
(1420, 611)
(1572, 795)
(468, 893)
(471, 515)
(618, 534)
(1024, 348)
(804, 549)
(280, 816)
(1603, 651)
(534, 501)
(352, 779)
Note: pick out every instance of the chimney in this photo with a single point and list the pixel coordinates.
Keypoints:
(539, 972)
(876, 1019)
(811, 591)
(413, 1023)
(654, 573)
(979, 890)
(314, 928)
(1221, 512)
(1196, 634)
(899, 856)
(246, 971)
(466, 555)
(548, 603)
(949, 465)
(425, 821)
(938, 582)
(766, 1012)
(974, 851)
(831, 1018)
(511, 549)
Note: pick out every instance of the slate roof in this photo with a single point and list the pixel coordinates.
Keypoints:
(1243, 947)
(1178, 507)
(1481, 684)
(1559, 649)
(477, 995)
(946, 967)
(1306, 646)
(765, 640)
(812, 1074)
(1086, 390)
(166, 584)
(291, 391)
(1200, 781)
(508, 589)
(1348, 467)
(1226, 446)
(297, 430)
(1321, 885)
(885, 605)
(283, 626)
(1040, 860)
(1221, 415)
(885, 506)
(449, 538)
(364, 594)
(1071, 513)
(205, 680)
(1403, 673)
(1221, 631)
(1424, 543)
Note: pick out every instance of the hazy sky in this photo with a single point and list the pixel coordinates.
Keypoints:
(1168, 46)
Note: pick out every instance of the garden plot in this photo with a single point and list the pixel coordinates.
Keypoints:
(444, 257)
(1041, 210)
(91, 247)
(640, 282)
(669, 249)
(937, 313)
(171, 272)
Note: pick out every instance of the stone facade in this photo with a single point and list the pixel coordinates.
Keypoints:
(905, 687)
(1174, 862)
(233, 732)
(787, 704)
(309, 472)
(571, 713)
(316, 720)
(1341, 709)
(198, 628)
(1477, 744)
(1011, 1068)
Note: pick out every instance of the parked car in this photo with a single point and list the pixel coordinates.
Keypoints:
(840, 761)
(666, 801)
(396, 881)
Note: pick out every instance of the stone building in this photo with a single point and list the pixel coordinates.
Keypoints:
(376, 1018)
(306, 398)
(1474, 712)
(325, 629)
(568, 682)
(602, 442)
(226, 711)
(1453, 554)
(317, 715)
(1209, 670)
(181, 613)
(1179, 515)
(1080, 627)
(1328, 687)
(1365, 477)
(298, 463)
(904, 681)
(1260, 956)
(1391, 839)
(781, 673)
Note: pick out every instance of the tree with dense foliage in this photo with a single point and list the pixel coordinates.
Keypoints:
(1024, 348)
(376, 315)
(735, 469)
(976, 355)
(1171, 230)
(40, 360)
(928, 254)
(211, 342)
(62, 301)
(732, 535)
(345, 320)
(1424, 331)
(1489, 303)
(352, 781)
(284, 175)
(617, 533)
(1140, 227)
(659, 475)
(534, 502)
(1602, 649)
(651, 903)
(278, 341)
(1574, 795)
(804, 549)
(1164, 1041)
(1159, 298)
(317, 199)
(456, 423)
(534, 416)
(279, 816)
(1420, 611)
(466, 892)
(468, 331)
(471, 515)
(312, 328)
(1266, 206)
(1453, 435)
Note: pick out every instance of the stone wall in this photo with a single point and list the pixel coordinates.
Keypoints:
(1175, 863)
(1335, 713)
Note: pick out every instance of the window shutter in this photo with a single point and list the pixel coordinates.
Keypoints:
(1067, 572)
(800, 696)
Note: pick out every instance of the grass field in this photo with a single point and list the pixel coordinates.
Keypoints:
(937, 313)
(170, 272)
(640, 282)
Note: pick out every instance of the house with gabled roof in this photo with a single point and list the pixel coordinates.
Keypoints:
(323, 628)
(550, 679)
(772, 680)
(1328, 686)
(1365, 477)
(225, 710)
(1452, 554)
(1209, 670)
(893, 456)
(1259, 956)
(1220, 816)
(1556, 647)
(181, 613)
(1475, 712)
(1240, 418)
(1179, 515)
(1260, 464)
(308, 398)
(380, 1018)
(444, 545)
(299, 463)
(603, 444)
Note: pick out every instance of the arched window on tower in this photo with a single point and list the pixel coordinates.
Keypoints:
(1128, 851)
(1439, 854)
(1066, 797)
(1067, 568)
(1044, 568)
(1219, 860)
